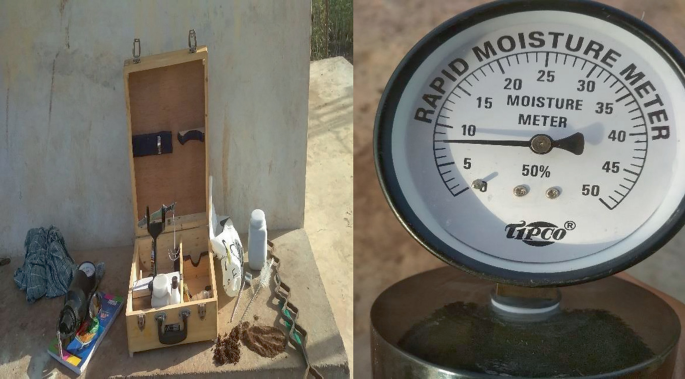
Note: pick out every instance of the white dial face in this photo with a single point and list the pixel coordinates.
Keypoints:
(541, 141)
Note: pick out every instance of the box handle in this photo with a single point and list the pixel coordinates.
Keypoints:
(172, 334)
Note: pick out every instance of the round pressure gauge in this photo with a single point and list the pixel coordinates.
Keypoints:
(537, 143)
(88, 268)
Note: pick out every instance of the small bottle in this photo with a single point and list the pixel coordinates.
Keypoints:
(175, 291)
(160, 291)
(256, 240)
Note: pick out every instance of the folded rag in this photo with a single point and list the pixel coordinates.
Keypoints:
(48, 268)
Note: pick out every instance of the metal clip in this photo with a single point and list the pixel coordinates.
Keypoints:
(141, 322)
(192, 46)
(297, 335)
(202, 311)
(136, 56)
(159, 145)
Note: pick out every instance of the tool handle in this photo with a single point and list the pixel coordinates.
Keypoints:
(193, 134)
(172, 334)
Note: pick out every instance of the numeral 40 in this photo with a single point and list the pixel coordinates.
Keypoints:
(617, 135)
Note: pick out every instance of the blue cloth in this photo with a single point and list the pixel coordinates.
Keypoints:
(48, 267)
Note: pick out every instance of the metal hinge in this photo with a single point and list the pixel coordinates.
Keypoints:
(141, 322)
(202, 311)
(136, 55)
(192, 45)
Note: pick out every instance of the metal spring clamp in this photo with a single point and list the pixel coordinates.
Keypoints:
(297, 335)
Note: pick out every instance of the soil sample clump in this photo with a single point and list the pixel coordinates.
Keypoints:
(266, 341)
(227, 349)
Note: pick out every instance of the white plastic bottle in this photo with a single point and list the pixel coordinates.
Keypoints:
(256, 240)
(160, 291)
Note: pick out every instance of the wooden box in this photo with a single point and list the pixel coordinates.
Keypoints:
(168, 92)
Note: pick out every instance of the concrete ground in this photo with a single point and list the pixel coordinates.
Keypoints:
(27, 328)
(385, 30)
(328, 197)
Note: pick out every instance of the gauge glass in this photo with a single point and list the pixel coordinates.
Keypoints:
(536, 142)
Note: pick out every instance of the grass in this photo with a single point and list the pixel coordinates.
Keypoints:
(337, 40)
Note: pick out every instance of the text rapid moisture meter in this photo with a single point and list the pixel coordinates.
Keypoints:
(535, 144)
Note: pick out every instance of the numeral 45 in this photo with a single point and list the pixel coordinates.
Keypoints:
(611, 167)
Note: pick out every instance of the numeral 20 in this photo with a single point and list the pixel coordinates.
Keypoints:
(515, 84)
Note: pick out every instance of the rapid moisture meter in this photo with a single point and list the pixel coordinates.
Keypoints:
(533, 144)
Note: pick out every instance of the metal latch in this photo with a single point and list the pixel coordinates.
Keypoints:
(192, 45)
(141, 322)
(202, 311)
(136, 55)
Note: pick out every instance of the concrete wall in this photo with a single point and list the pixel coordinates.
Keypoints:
(63, 138)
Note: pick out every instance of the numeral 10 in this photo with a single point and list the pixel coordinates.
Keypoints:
(468, 130)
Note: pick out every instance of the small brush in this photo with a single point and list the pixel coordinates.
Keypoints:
(264, 278)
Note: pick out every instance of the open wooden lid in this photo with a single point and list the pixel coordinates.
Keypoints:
(168, 93)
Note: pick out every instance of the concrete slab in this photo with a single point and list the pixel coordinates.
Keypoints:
(328, 198)
(26, 329)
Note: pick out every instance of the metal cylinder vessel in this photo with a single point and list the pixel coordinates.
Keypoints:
(440, 324)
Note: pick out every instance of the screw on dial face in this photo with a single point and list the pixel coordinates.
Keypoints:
(591, 101)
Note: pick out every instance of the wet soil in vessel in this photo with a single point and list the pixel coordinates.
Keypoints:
(474, 338)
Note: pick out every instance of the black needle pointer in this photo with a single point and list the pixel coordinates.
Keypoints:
(539, 144)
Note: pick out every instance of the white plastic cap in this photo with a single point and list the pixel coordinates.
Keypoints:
(160, 286)
(257, 219)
